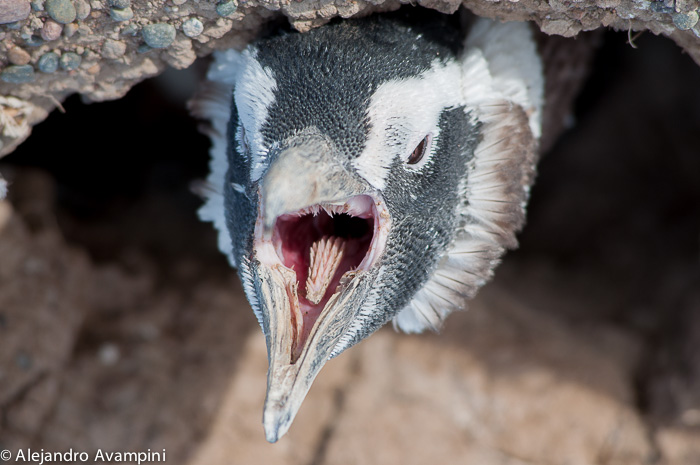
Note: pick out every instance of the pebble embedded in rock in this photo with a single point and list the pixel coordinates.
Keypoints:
(121, 15)
(18, 56)
(179, 2)
(119, 4)
(70, 61)
(14, 10)
(685, 21)
(51, 30)
(37, 5)
(48, 63)
(192, 27)
(130, 30)
(159, 35)
(113, 49)
(82, 9)
(34, 41)
(17, 74)
(62, 11)
(70, 30)
(226, 8)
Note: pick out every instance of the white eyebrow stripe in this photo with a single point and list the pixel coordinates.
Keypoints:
(412, 106)
(254, 94)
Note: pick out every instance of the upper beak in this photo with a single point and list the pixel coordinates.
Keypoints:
(303, 175)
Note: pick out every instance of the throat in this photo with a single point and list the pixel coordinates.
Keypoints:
(320, 247)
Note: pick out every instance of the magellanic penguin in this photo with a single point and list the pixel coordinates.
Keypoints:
(367, 171)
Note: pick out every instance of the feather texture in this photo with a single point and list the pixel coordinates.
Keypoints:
(502, 83)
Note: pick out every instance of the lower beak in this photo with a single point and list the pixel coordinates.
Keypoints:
(289, 379)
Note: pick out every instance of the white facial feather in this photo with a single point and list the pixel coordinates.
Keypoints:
(513, 63)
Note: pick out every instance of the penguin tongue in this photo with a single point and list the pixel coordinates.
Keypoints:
(326, 255)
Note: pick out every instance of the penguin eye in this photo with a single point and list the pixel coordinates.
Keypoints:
(419, 151)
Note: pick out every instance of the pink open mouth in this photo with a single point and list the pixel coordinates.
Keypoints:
(323, 244)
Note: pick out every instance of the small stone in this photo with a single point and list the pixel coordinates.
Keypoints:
(37, 5)
(113, 49)
(121, 14)
(14, 10)
(192, 27)
(119, 4)
(130, 30)
(61, 11)
(48, 63)
(685, 6)
(51, 30)
(70, 61)
(34, 41)
(226, 8)
(18, 56)
(159, 35)
(82, 9)
(70, 30)
(89, 55)
(685, 21)
(94, 69)
(660, 7)
(179, 2)
(17, 74)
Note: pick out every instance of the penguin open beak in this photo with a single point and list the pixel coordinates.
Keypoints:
(319, 237)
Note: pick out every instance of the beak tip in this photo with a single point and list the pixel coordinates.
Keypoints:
(274, 427)
(271, 436)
